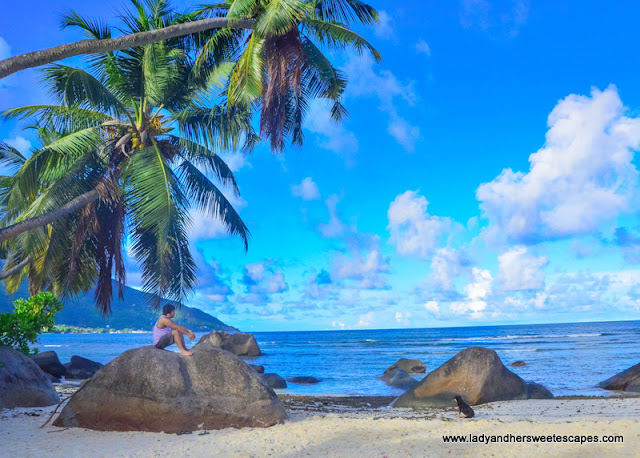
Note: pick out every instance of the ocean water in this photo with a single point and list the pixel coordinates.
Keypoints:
(569, 359)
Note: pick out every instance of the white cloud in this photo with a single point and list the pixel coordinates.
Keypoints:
(307, 189)
(403, 318)
(334, 227)
(235, 161)
(404, 133)
(368, 269)
(262, 278)
(446, 265)
(432, 307)
(384, 28)
(520, 270)
(413, 231)
(204, 226)
(581, 179)
(366, 320)
(423, 47)
(366, 81)
(332, 136)
(20, 143)
(5, 49)
(338, 324)
(502, 17)
(477, 293)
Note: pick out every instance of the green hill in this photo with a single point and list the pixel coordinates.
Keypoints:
(134, 312)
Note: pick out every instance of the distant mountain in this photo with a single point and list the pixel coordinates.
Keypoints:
(134, 312)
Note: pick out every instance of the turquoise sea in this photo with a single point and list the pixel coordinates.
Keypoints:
(569, 359)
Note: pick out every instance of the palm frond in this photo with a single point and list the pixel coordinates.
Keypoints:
(338, 36)
(348, 12)
(211, 200)
(75, 87)
(10, 157)
(280, 16)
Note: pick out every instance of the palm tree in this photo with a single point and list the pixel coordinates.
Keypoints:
(132, 141)
(122, 151)
(281, 66)
(278, 66)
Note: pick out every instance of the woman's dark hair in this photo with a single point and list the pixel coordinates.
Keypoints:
(167, 309)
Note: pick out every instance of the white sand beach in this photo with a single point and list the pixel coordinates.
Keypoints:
(375, 432)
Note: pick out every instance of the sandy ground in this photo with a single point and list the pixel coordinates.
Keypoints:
(358, 427)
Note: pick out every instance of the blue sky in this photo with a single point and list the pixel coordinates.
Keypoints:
(487, 174)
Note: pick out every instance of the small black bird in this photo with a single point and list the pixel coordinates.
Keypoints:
(463, 408)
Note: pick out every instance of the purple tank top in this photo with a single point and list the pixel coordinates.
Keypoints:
(159, 333)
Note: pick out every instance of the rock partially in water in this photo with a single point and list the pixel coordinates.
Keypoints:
(240, 343)
(274, 381)
(50, 363)
(476, 373)
(623, 379)
(410, 366)
(305, 380)
(518, 364)
(82, 368)
(399, 379)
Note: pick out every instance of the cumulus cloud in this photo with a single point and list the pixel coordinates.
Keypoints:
(404, 133)
(263, 278)
(499, 18)
(334, 227)
(477, 293)
(20, 143)
(432, 307)
(366, 320)
(520, 270)
(403, 318)
(413, 231)
(422, 47)
(367, 81)
(367, 269)
(446, 265)
(205, 226)
(331, 135)
(384, 28)
(582, 178)
(235, 161)
(307, 189)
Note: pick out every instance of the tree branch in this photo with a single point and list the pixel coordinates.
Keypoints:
(15, 269)
(39, 221)
(37, 58)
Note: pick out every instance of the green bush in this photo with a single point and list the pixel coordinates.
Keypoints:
(29, 319)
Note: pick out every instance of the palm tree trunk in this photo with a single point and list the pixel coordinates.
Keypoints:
(15, 269)
(39, 221)
(37, 58)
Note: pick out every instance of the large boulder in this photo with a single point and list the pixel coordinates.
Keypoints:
(622, 380)
(82, 368)
(23, 383)
(147, 389)
(49, 362)
(537, 391)
(410, 366)
(476, 373)
(274, 381)
(240, 344)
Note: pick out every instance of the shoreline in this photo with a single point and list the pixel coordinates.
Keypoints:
(353, 426)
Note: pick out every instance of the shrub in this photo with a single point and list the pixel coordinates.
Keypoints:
(29, 318)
